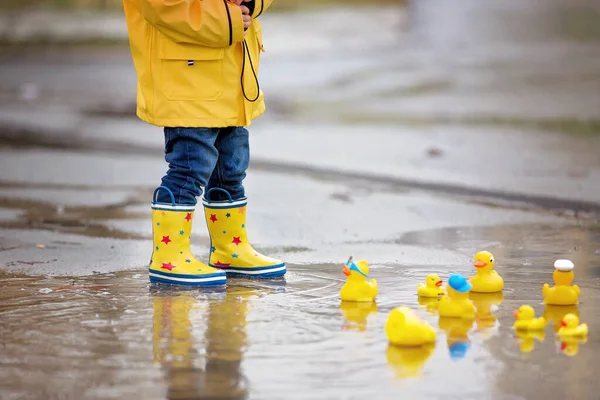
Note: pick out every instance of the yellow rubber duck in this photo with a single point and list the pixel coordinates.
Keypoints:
(555, 314)
(457, 304)
(486, 280)
(405, 327)
(562, 294)
(570, 327)
(357, 288)
(408, 362)
(356, 314)
(431, 288)
(526, 321)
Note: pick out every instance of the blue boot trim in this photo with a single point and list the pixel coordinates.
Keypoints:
(188, 280)
(273, 271)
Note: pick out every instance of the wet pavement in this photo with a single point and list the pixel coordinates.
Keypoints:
(469, 136)
(112, 336)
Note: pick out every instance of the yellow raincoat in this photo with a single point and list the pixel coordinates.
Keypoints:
(194, 62)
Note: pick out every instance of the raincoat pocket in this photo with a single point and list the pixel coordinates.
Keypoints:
(190, 72)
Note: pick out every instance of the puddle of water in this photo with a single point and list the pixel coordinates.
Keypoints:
(114, 336)
(30, 212)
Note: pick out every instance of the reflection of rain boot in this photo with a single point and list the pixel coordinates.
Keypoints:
(226, 342)
(172, 260)
(173, 344)
(408, 362)
(230, 249)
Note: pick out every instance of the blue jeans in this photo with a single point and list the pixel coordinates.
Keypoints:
(205, 158)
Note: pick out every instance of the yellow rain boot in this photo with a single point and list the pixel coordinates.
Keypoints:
(172, 260)
(230, 249)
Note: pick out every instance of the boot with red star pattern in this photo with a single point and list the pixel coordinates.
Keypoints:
(172, 261)
(230, 249)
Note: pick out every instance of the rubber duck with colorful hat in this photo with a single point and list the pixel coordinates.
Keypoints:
(456, 303)
(431, 288)
(357, 288)
(563, 293)
(486, 279)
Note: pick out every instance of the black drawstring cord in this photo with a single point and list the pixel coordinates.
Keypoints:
(246, 51)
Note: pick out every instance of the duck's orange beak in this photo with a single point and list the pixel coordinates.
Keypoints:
(563, 323)
(516, 313)
(438, 283)
(346, 271)
(480, 264)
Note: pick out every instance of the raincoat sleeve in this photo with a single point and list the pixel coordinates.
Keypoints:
(260, 6)
(211, 23)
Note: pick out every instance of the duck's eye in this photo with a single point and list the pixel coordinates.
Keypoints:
(491, 260)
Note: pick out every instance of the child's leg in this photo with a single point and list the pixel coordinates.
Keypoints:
(230, 170)
(192, 155)
(226, 216)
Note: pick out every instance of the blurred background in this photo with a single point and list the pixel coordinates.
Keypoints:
(438, 82)
(410, 133)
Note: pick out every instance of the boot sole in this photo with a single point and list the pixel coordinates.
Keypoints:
(187, 280)
(274, 271)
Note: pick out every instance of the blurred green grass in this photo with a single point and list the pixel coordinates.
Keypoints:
(116, 5)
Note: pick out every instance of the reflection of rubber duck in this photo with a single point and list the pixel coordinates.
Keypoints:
(484, 304)
(431, 288)
(405, 327)
(562, 294)
(356, 314)
(430, 303)
(486, 280)
(457, 335)
(526, 321)
(556, 313)
(457, 303)
(408, 362)
(570, 327)
(570, 346)
(527, 339)
(357, 288)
